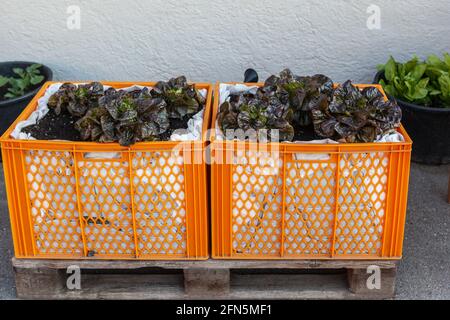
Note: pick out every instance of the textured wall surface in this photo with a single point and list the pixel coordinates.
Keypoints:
(217, 40)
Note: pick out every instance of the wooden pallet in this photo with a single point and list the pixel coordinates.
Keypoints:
(211, 279)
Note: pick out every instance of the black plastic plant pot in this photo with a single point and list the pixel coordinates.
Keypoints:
(251, 76)
(429, 129)
(11, 108)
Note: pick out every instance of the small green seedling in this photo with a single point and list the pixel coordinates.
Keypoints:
(26, 78)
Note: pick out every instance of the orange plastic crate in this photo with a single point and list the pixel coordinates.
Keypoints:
(147, 202)
(348, 204)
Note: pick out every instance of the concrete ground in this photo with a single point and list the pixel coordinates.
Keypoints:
(424, 272)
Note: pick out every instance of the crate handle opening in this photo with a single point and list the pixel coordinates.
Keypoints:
(300, 156)
(105, 155)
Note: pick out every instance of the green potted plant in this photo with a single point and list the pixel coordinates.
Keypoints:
(422, 89)
(19, 82)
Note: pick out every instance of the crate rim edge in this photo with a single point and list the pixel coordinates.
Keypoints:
(289, 145)
(6, 139)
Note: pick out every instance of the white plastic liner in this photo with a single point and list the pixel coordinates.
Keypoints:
(157, 175)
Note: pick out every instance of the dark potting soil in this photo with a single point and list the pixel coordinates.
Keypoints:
(174, 125)
(305, 134)
(55, 127)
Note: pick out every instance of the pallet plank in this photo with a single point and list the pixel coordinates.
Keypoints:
(207, 264)
(209, 282)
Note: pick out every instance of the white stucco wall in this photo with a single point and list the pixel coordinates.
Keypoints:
(209, 40)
